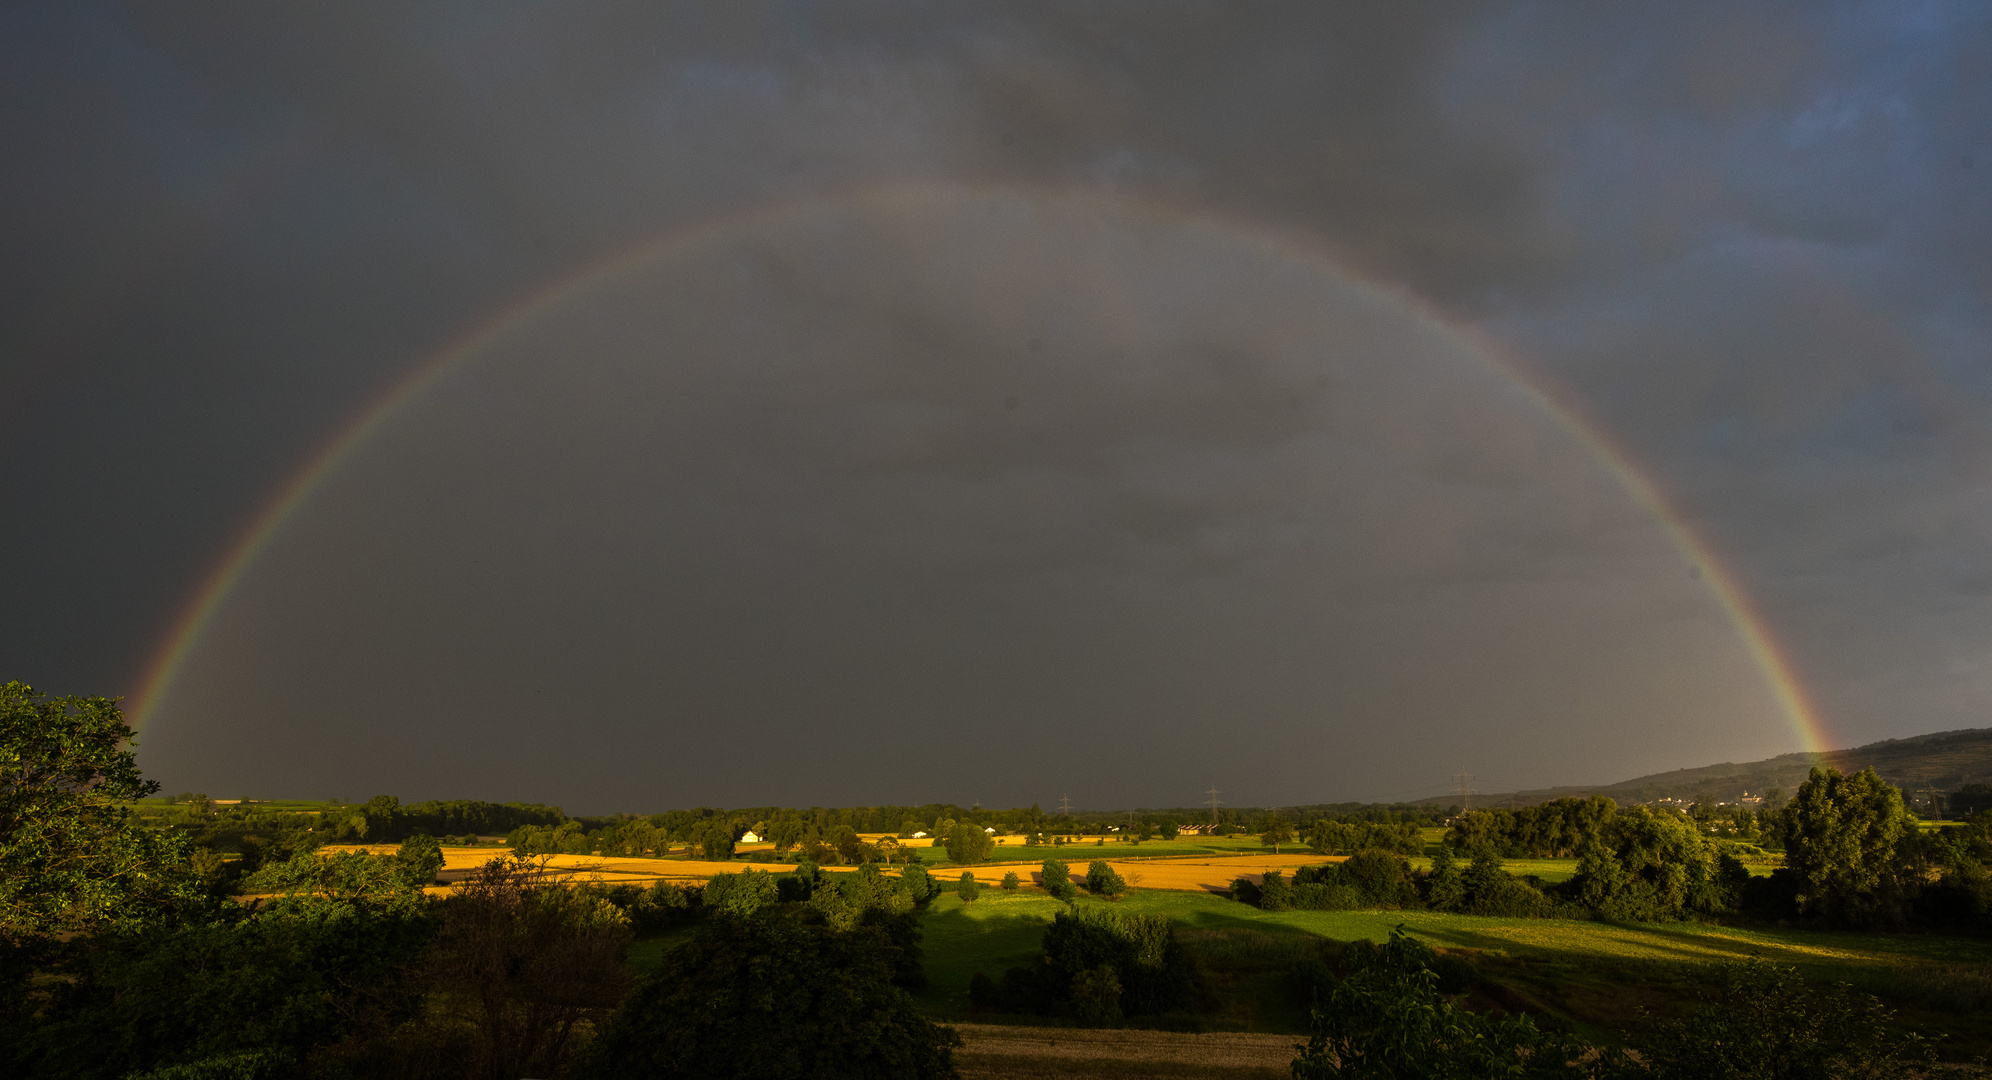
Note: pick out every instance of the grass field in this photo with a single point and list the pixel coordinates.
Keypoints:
(1595, 974)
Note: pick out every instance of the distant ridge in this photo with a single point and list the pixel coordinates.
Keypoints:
(1945, 760)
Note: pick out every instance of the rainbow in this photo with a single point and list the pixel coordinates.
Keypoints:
(186, 630)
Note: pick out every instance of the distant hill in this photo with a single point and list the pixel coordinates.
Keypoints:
(1945, 760)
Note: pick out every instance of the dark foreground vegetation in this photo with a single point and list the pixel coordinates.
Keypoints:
(127, 952)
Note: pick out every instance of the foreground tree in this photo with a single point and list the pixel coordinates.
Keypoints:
(237, 990)
(71, 858)
(519, 963)
(773, 998)
(1841, 837)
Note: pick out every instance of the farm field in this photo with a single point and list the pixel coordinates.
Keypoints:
(1211, 873)
(459, 861)
(1593, 973)
(1208, 873)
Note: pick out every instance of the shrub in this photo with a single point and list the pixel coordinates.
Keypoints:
(1101, 880)
(662, 905)
(969, 888)
(1274, 892)
(1096, 996)
(1150, 972)
(845, 900)
(1318, 897)
(1388, 1019)
(1058, 880)
(1763, 1021)
(1382, 878)
(1483, 888)
(1011, 882)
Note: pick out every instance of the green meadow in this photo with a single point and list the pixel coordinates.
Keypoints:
(1595, 975)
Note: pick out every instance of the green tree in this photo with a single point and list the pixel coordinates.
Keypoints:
(71, 855)
(1102, 880)
(1277, 832)
(1011, 882)
(968, 888)
(919, 884)
(1445, 887)
(1169, 827)
(967, 843)
(714, 840)
(520, 962)
(421, 859)
(740, 895)
(1275, 893)
(786, 834)
(1058, 880)
(1841, 835)
(773, 998)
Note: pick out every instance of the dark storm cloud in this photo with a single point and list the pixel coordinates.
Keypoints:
(1751, 238)
(801, 507)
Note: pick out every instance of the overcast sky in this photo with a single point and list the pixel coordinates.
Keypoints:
(1042, 400)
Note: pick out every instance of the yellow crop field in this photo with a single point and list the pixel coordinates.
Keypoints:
(1008, 840)
(1210, 873)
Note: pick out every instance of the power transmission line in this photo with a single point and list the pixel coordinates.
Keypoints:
(1064, 804)
(1215, 802)
(1464, 782)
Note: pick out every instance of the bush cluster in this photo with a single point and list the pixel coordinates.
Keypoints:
(1097, 966)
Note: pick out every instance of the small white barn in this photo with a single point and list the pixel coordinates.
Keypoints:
(750, 838)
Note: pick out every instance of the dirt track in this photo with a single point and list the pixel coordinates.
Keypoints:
(1001, 1053)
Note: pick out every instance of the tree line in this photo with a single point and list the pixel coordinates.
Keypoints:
(1852, 854)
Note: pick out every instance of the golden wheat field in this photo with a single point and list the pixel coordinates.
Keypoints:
(1194, 873)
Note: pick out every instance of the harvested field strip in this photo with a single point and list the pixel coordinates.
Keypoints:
(991, 1052)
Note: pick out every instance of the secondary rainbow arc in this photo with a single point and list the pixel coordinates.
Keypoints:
(1752, 628)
